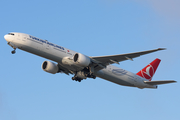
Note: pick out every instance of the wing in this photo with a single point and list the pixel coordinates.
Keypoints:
(159, 82)
(64, 70)
(103, 61)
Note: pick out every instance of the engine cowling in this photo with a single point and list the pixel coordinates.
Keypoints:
(67, 61)
(50, 67)
(81, 60)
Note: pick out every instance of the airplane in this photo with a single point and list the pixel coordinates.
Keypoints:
(82, 66)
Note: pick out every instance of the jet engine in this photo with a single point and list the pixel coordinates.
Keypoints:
(50, 67)
(81, 60)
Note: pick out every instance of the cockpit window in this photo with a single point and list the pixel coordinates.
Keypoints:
(10, 33)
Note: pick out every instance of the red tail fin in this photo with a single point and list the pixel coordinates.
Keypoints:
(149, 70)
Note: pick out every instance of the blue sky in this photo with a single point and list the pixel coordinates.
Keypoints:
(94, 28)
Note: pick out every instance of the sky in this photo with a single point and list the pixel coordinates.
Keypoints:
(94, 28)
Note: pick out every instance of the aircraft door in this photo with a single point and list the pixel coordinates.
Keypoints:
(47, 45)
(109, 68)
(24, 38)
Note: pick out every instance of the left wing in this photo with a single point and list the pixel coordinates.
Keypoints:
(103, 61)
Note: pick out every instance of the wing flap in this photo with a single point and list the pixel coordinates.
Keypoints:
(159, 82)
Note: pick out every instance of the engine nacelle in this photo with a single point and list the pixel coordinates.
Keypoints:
(67, 61)
(50, 67)
(81, 60)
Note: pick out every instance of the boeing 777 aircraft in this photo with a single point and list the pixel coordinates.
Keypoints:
(82, 66)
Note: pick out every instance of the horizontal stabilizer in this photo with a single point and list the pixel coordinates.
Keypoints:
(159, 82)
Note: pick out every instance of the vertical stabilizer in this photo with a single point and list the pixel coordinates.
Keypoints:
(149, 70)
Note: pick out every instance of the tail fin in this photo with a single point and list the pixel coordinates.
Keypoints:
(149, 70)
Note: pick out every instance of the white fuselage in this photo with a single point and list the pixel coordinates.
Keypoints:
(56, 53)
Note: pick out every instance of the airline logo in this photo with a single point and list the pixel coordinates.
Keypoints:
(119, 72)
(149, 70)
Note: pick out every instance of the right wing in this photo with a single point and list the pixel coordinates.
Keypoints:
(64, 70)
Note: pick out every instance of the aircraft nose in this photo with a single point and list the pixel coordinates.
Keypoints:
(7, 38)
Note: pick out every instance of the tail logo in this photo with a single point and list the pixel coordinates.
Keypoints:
(148, 72)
